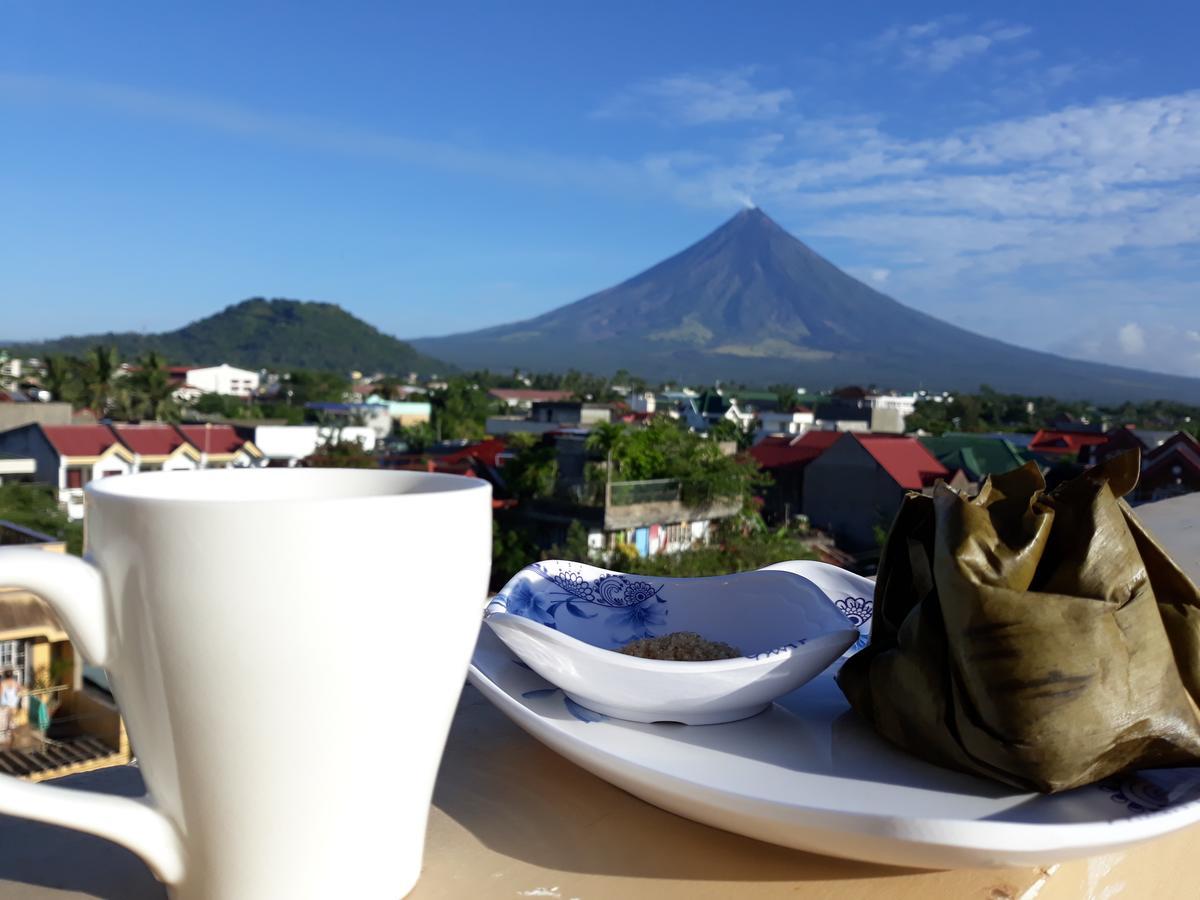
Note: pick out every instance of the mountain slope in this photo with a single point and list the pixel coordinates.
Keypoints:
(256, 333)
(751, 303)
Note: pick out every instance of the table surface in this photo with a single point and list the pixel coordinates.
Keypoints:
(511, 818)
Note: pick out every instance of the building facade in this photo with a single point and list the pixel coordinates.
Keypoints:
(62, 723)
(855, 487)
(223, 379)
(70, 457)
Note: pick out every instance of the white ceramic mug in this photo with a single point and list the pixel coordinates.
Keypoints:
(287, 647)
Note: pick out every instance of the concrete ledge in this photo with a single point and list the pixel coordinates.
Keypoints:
(1176, 524)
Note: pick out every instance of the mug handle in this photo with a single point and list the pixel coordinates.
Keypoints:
(75, 591)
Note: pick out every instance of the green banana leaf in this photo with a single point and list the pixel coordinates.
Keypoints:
(1041, 639)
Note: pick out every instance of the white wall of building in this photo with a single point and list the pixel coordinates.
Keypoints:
(109, 466)
(224, 379)
(888, 411)
(180, 462)
(785, 422)
(643, 402)
(905, 403)
(292, 443)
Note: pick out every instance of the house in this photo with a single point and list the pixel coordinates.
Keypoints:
(856, 409)
(648, 516)
(283, 446)
(573, 413)
(784, 458)
(69, 457)
(546, 416)
(1117, 440)
(158, 447)
(796, 421)
(854, 488)
(524, 398)
(842, 413)
(753, 403)
(709, 408)
(890, 411)
(64, 725)
(16, 468)
(1061, 442)
(220, 446)
(645, 402)
(10, 371)
(404, 412)
(480, 459)
(1019, 439)
(375, 416)
(976, 455)
(222, 379)
(1170, 469)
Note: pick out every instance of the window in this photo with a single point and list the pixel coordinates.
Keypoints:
(12, 656)
(108, 472)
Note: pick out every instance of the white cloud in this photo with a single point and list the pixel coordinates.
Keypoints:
(934, 47)
(1092, 204)
(1132, 339)
(694, 99)
(1011, 227)
(1159, 348)
(325, 136)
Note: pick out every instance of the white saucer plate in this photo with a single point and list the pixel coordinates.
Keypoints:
(808, 774)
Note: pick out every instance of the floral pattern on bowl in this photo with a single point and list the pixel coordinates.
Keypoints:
(633, 604)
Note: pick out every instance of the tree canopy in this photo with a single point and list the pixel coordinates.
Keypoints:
(664, 448)
(35, 506)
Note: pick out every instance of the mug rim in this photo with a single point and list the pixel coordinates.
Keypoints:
(184, 486)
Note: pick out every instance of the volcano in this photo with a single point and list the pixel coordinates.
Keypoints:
(751, 303)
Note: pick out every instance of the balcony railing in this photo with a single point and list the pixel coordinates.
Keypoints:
(12, 534)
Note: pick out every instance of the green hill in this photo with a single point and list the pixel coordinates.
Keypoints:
(257, 333)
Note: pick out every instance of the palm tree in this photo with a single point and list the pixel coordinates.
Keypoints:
(605, 438)
(61, 378)
(100, 368)
(151, 395)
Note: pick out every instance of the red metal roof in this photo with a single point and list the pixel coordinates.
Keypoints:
(777, 451)
(635, 418)
(1051, 441)
(485, 451)
(904, 458)
(529, 394)
(1181, 454)
(212, 438)
(150, 440)
(79, 440)
(1175, 440)
(820, 439)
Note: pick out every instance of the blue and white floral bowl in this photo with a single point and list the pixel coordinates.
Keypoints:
(564, 619)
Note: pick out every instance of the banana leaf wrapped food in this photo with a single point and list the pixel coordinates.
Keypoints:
(1041, 639)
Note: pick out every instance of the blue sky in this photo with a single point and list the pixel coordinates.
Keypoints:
(1027, 170)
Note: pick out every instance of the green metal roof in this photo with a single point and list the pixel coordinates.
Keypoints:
(977, 455)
